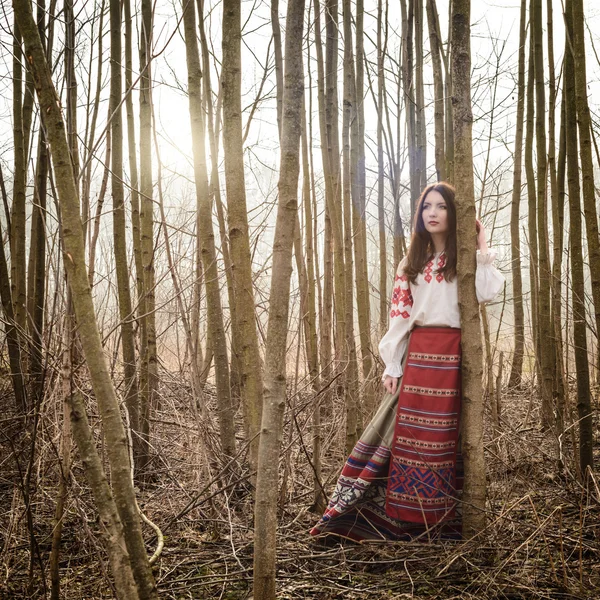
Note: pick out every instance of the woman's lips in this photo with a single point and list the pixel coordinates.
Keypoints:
(434, 222)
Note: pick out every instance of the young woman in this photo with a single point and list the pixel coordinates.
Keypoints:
(404, 476)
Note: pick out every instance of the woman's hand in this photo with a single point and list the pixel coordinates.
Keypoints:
(391, 384)
(481, 243)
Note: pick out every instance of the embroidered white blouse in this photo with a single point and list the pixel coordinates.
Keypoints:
(432, 302)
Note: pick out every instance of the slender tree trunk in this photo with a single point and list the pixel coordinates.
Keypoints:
(243, 315)
(213, 136)
(420, 124)
(10, 331)
(348, 174)
(515, 232)
(206, 238)
(383, 319)
(578, 113)
(438, 86)
(149, 366)
(335, 201)
(558, 388)
(587, 181)
(531, 195)
(72, 230)
(547, 351)
(133, 408)
(265, 515)
(409, 101)
(118, 196)
(309, 316)
(109, 515)
(18, 234)
(327, 312)
(449, 109)
(472, 399)
(558, 219)
(359, 215)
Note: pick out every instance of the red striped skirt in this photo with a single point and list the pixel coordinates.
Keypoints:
(404, 476)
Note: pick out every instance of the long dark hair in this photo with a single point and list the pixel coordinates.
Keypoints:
(421, 249)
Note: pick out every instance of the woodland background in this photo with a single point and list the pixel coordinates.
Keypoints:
(203, 208)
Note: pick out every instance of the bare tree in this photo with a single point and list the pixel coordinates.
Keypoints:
(72, 231)
(265, 513)
(472, 368)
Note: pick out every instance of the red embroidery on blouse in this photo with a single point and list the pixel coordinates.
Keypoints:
(441, 263)
(397, 313)
(403, 295)
(428, 270)
(402, 277)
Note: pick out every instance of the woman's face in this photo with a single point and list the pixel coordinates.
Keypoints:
(435, 213)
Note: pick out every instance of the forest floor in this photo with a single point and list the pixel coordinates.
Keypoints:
(542, 539)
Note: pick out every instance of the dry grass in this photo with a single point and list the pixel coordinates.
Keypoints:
(541, 540)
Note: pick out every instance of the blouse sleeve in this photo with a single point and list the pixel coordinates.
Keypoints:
(393, 344)
(488, 280)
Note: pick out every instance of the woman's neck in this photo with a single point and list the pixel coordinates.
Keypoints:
(439, 241)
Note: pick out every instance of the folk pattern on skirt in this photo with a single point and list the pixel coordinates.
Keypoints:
(392, 460)
(422, 481)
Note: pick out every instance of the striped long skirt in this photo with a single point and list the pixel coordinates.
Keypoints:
(404, 477)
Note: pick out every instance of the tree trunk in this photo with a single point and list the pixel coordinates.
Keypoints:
(587, 176)
(409, 102)
(213, 136)
(515, 233)
(265, 515)
(335, 201)
(134, 410)
(118, 196)
(547, 351)
(109, 515)
(472, 368)
(383, 319)
(149, 362)
(10, 330)
(420, 123)
(327, 312)
(574, 102)
(438, 87)
(359, 215)
(243, 310)
(348, 174)
(104, 390)
(18, 235)
(558, 387)
(206, 238)
(531, 195)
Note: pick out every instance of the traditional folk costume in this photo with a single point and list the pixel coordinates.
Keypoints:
(404, 476)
